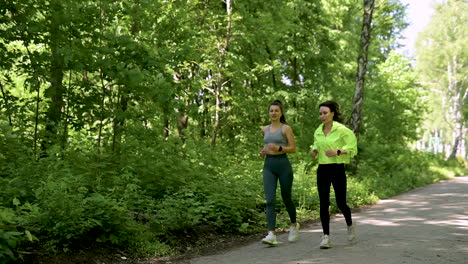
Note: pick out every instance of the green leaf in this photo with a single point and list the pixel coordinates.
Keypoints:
(16, 202)
(28, 235)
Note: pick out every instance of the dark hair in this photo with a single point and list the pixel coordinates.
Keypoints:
(335, 108)
(278, 103)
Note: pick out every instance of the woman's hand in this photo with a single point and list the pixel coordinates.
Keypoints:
(262, 153)
(330, 153)
(314, 153)
(272, 147)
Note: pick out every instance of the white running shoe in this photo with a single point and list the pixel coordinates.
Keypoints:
(270, 239)
(326, 242)
(294, 233)
(351, 232)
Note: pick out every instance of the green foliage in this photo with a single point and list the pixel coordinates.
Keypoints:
(221, 201)
(393, 108)
(11, 234)
(15, 159)
(388, 170)
(442, 71)
(135, 124)
(65, 217)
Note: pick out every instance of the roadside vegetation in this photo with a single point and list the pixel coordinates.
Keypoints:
(134, 126)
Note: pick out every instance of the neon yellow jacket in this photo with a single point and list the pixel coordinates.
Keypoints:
(340, 137)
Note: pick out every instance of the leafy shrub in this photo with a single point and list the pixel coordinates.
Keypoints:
(10, 236)
(16, 176)
(225, 208)
(391, 170)
(66, 215)
(155, 191)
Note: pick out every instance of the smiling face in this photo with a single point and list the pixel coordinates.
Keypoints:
(326, 116)
(275, 113)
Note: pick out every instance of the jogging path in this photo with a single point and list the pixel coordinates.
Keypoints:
(425, 225)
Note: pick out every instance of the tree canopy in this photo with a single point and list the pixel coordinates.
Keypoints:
(441, 62)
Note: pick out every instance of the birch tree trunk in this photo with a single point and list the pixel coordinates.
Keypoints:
(459, 96)
(441, 62)
(219, 76)
(358, 98)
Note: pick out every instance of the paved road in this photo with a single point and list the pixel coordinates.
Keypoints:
(426, 225)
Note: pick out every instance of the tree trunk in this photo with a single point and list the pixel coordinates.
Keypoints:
(101, 110)
(56, 90)
(358, 98)
(66, 112)
(37, 87)
(119, 121)
(182, 123)
(220, 78)
(6, 103)
(123, 99)
(459, 96)
(205, 118)
(216, 122)
(270, 56)
(295, 80)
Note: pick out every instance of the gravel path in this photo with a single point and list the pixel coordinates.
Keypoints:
(426, 225)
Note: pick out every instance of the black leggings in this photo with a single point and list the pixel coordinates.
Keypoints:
(335, 174)
(278, 167)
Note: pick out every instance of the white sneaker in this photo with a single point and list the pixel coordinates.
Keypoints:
(351, 232)
(294, 233)
(326, 242)
(270, 239)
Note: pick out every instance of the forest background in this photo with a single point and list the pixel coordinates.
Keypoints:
(136, 125)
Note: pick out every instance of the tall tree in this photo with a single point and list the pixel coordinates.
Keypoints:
(56, 90)
(441, 60)
(220, 80)
(358, 98)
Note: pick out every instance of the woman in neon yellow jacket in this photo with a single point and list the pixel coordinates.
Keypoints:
(334, 145)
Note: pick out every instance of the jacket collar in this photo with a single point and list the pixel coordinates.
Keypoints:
(334, 127)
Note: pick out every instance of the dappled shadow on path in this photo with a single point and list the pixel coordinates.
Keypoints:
(426, 225)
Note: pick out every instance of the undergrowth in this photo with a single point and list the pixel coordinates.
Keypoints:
(146, 203)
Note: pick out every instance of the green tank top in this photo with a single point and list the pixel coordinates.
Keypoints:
(276, 138)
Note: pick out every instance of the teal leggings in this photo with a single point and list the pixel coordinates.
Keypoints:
(278, 167)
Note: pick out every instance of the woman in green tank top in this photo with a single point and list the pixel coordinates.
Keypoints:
(278, 139)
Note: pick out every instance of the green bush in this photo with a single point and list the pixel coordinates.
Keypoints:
(226, 207)
(148, 198)
(66, 217)
(11, 236)
(391, 170)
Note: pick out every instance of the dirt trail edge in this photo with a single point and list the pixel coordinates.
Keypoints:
(426, 225)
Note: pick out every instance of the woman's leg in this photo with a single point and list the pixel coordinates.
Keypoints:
(286, 177)
(269, 185)
(340, 185)
(323, 187)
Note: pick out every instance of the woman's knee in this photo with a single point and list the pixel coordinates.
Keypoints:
(270, 203)
(343, 206)
(324, 203)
